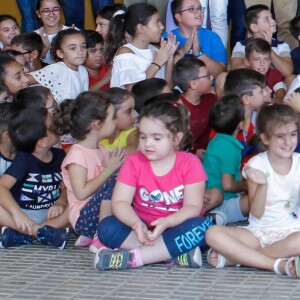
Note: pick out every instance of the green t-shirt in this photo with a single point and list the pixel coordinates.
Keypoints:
(222, 156)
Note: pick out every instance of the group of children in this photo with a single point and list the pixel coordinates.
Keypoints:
(146, 172)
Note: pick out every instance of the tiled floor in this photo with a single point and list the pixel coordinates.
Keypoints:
(42, 272)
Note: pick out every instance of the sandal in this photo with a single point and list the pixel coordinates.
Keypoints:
(286, 267)
(221, 259)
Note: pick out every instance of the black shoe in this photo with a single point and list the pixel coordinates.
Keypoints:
(57, 237)
(10, 238)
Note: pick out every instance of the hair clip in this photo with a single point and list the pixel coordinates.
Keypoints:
(175, 104)
(119, 12)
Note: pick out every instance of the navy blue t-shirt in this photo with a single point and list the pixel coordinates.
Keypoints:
(38, 182)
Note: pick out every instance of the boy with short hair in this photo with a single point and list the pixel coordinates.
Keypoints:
(191, 76)
(204, 44)
(99, 73)
(252, 88)
(260, 23)
(30, 44)
(33, 199)
(223, 171)
(258, 58)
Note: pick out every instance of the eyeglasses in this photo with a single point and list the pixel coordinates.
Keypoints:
(26, 52)
(204, 76)
(194, 10)
(48, 11)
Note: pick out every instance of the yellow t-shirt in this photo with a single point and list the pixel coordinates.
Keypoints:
(119, 142)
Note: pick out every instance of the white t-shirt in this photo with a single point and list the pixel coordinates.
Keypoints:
(63, 82)
(282, 201)
(131, 67)
(280, 48)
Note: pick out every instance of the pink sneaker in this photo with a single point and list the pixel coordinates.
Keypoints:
(96, 245)
(83, 241)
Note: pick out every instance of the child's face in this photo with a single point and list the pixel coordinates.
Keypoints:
(49, 13)
(26, 55)
(154, 28)
(109, 124)
(125, 114)
(203, 81)
(259, 62)
(51, 138)
(102, 26)
(283, 141)
(265, 22)
(258, 98)
(156, 142)
(94, 57)
(190, 18)
(8, 30)
(15, 78)
(50, 103)
(73, 51)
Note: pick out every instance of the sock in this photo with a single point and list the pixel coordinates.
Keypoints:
(135, 258)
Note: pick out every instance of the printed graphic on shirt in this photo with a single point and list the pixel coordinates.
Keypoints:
(40, 191)
(163, 200)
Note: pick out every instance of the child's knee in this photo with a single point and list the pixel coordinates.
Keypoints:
(212, 235)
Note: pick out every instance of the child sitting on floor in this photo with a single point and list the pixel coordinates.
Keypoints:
(33, 199)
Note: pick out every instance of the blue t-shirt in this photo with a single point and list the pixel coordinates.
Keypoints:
(211, 44)
(38, 182)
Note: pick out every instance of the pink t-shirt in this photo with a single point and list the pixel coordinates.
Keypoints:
(159, 196)
(91, 159)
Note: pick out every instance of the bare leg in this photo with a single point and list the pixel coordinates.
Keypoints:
(239, 246)
(287, 247)
(244, 205)
(149, 254)
(105, 209)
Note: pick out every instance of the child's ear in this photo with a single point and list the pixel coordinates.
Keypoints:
(178, 17)
(246, 62)
(264, 139)
(253, 28)
(59, 53)
(96, 124)
(41, 143)
(34, 55)
(177, 138)
(140, 28)
(245, 100)
(5, 136)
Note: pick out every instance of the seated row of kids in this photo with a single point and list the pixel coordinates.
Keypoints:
(156, 208)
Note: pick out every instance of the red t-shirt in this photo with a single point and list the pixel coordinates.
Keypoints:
(199, 119)
(102, 71)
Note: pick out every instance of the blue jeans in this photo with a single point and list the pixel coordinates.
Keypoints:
(236, 10)
(29, 19)
(74, 10)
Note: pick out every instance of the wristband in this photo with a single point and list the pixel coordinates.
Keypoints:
(155, 64)
(199, 54)
(108, 171)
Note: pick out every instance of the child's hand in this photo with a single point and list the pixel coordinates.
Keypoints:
(160, 225)
(255, 175)
(55, 210)
(115, 159)
(265, 35)
(141, 231)
(294, 101)
(188, 44)
(196, 42)
(166, 50)
(44, 37)
(23, 222)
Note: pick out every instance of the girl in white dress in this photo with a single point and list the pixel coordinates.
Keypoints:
(271, 240)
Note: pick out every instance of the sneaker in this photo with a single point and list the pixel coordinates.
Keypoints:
(96, 245)
(56, 237)
(217, 217)
(191, 259)
(83, 241)
(112, 259)
(10, 238)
